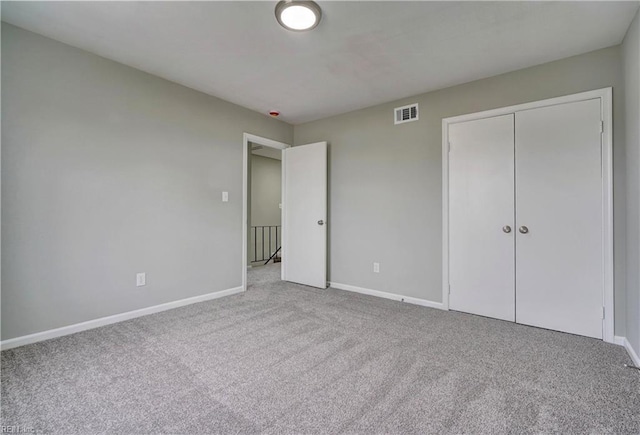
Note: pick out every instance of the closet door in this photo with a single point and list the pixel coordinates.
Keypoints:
(559, 239)
(481, 217)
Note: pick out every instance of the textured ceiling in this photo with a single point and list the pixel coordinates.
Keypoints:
(361, 54)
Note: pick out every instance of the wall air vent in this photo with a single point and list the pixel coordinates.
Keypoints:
(405, 113)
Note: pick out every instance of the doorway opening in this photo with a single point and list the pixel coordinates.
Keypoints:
(263, 209)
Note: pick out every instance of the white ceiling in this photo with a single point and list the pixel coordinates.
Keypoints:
(361, 54)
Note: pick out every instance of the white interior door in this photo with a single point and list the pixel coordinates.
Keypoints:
(304, 242)
(481, 217)
(559, 266)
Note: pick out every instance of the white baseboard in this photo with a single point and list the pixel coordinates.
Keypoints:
(392, 296)
(103, 321)
(622, 341)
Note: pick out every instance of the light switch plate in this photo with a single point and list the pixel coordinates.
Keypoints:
(225, 196)
(141, 279)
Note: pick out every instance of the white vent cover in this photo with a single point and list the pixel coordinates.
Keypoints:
(406, 113)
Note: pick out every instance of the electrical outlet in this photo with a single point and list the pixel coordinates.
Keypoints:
(141, 279)
(225, 196)
(376, 267)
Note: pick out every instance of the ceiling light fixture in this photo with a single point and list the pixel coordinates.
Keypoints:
(298, 15)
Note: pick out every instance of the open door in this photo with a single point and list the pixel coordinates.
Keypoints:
(304, 242)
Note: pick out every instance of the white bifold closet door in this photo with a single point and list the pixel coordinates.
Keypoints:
(526, 217)
(481, 217)
(559, 267)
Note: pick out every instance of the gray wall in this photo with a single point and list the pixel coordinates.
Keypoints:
(631, 52)
(108, 171)
(385, 183)
(266, 179)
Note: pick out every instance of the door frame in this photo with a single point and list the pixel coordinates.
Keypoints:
(605, 95)
(246, 138)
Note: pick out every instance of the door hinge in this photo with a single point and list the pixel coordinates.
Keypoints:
(601, 126)
(603, 313)
(449, 288)
(448, 146)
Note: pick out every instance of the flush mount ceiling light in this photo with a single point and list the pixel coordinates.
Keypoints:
(298, 15)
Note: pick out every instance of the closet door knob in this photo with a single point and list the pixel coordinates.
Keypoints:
(506, 229)
(523, 229)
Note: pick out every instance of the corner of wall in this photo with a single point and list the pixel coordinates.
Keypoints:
(631, 70)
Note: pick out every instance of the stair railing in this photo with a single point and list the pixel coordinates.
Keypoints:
(266, 242)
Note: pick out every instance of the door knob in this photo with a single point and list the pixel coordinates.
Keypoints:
(320, 222)
(506, 229)
(523, 229)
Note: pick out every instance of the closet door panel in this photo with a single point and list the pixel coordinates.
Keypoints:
(559, 268)
(481, 204)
